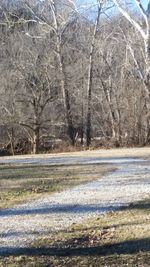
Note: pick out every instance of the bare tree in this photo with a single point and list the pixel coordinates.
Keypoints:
(90, 73)
(144, 30)
(56, 24)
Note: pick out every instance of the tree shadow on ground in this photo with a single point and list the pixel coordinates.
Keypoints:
(141, 205)
(74, 208)
(58, 208)
(127, 247)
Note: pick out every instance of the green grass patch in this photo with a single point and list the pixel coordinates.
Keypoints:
(23, 183)
(114, 239)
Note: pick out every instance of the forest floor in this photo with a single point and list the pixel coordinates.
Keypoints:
(93, 224)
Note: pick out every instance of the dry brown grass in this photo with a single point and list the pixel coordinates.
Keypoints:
(114, 239)
(118, 152)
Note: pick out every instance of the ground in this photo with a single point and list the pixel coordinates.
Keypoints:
(114, 238)
(21, 183)
(119, 238)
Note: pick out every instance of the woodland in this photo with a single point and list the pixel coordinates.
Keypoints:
(73, 76)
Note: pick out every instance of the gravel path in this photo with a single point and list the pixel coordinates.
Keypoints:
(21, 225)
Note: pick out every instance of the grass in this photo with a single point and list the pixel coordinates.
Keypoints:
(114, 239)
(23, 183)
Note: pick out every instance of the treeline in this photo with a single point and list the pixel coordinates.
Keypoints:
(67, 79)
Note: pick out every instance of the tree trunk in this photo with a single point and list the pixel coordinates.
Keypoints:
(36, 141)
(114, 129)
(11, 137)
(82, 124)
(66, 97)
(147, 55)
(64, 89)
(147, 76)
(90, 79)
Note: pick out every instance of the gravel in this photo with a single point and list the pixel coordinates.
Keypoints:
(21, 225)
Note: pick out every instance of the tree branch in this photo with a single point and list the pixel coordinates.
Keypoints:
(132, 21)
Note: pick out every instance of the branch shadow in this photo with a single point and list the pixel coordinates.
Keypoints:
(141, 205)
(127, 247)
(75, 208)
